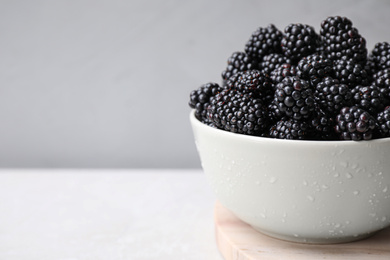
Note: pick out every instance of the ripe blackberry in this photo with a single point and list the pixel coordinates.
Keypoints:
(350, 73)
(272, 61)
(314, 68)
(200, 99)
(383, 122)
(299, 40)
(323, 126)
(382, 80)
(354, 123)
(252, 82)
(264, 41)
(331, 96)
(369, 98)
(283, 71)
(288, 128)
(236, 112)
(237, 62)
(341, 39)
(380, 56)
(294, 98)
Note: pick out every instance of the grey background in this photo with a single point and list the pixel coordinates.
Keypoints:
(106, 83)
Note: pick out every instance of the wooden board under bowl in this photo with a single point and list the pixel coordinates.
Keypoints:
(237, 240)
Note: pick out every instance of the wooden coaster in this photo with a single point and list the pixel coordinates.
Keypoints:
(237, 240)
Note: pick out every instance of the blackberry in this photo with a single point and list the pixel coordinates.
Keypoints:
(288, 128)
(350, 73)
(237, 62)
(299, 40)
(369, 98)
(323, 126)
(237, 112)
(382, 80)
(314, 68)
(380, 56)
(283, 71)
(272, 61)
(331, 96)
(340, 39)
(252, 82)
(294, 98)
(383, 122)
(354, 123)
(264, 41)
(200, 99)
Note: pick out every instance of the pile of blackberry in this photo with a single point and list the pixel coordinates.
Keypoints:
(301, 84)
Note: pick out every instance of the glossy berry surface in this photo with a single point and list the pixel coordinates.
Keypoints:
(354, 123)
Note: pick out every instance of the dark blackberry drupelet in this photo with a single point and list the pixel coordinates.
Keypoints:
(200, 99)
(272, 61)
(314, 68)
(350, 73)
(288, 128)
(264, 41)
(369, 98)
(236, 112)
(340, 39)
(354, 123)
(380, 56)
(383, 122)
(322, 125)
(331, 96)
(237, 62)
(294, 98)
(285, 70)
(299, 40)
(320, 49)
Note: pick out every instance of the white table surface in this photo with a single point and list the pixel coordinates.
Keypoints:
(106, 214)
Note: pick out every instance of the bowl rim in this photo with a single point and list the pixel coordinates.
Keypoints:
(198, 124)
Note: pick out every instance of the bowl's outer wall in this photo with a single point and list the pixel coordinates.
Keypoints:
(302, 188)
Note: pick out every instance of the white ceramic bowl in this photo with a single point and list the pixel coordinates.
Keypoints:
(302, 191)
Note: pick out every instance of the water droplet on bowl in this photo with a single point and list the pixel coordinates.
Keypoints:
(311, 198)
(349, 175)
(356, 192)
(385, 189)
(272, 180)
